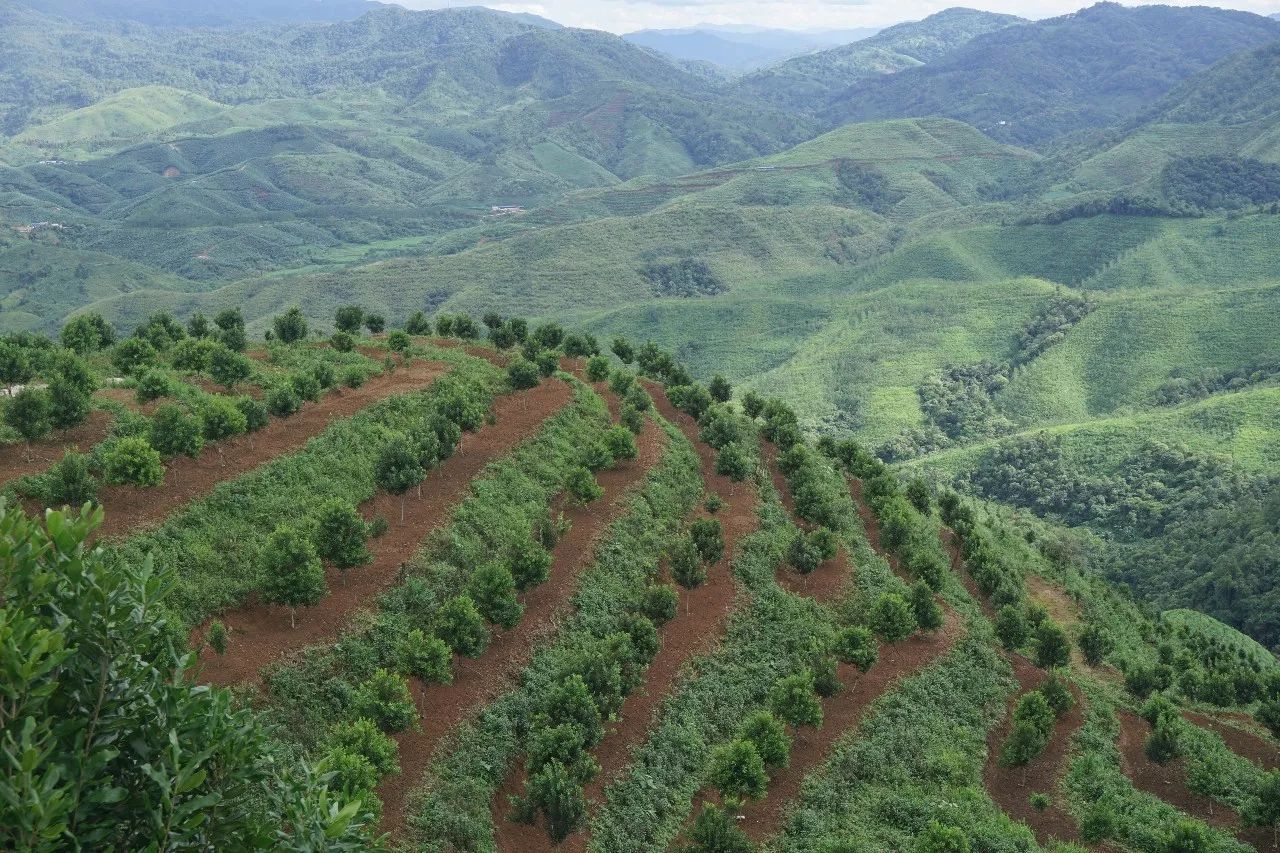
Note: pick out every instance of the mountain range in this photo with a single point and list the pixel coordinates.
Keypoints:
(194, 13)
(966, 167)
(738, 49)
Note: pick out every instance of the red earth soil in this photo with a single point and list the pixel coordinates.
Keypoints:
(1169, 783)
(443, 706)
(831, 578)
(1256, 747)
(810, 748)
(17, 460)
(841, 713)
(260, 633)
(1012, 787)
(1006, 785)
(872, 526)
(701, 618)
(130, 508)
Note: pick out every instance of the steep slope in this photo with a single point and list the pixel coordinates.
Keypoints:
(450, 61)
(1034, 83)
(808, 211)
(275, 148)
(1230, 110)
(810, 82)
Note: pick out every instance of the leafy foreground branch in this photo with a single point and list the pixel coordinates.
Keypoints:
(103, 742)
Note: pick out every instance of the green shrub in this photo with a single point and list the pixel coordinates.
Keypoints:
(175, 432)
(928, 613)
(793, 699)
(581, 486)
(716, 830)
(283, 402)
(340, 535)
(548, 363)
(30, 414)
(708, 538)
(461, 626)
(353, 377)
(893, 618)
(529, 564)
(1053, 649)
(133, 462)
(554, 793)
(351, 773)
(523, 374)
(152, 384)
(632, 419)
(290, 327)
(217, 637)
(597, 368)
(70, 482)
(221, 417)
(493, 590)
(426, 657)
(620, 443)
(856, 646)
(769, 736)
(385, 699)
(292, 573)
(737, 770)
(687, 567)
(1011, 627)
(659, 603)
(306, 386)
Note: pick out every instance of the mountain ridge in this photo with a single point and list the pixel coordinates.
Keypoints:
(1035, 82)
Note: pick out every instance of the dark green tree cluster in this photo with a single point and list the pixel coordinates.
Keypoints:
(155, 762)
(61, 402)
(685, 279)
(589, 687)
(1034, 718)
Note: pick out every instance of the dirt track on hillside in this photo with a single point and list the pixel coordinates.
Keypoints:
(810, 748)
(19, 460)
(1012, 787)
(131, 508)
(702, 616)
(1169, 783)
(260, 633)
(829, 580)
(1257, 748)
(442, 706)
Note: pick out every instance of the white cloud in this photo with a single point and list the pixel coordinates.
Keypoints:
(622, 16)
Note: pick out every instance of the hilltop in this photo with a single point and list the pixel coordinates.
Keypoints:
(1034, 83)
(810, 83)
(188, 13)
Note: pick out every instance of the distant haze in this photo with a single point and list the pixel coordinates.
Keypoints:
(627, 16)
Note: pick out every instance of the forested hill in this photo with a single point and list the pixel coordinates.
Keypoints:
(810, 82)
(448, 61)
(1034, 83)
(1243, 88)
(199, 13)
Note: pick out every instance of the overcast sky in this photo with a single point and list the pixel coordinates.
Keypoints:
(621, 16)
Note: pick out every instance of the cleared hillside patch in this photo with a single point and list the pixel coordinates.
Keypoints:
(443, 706)
(259, 632)
(454, 806)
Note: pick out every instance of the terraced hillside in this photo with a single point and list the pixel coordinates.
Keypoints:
(507, 586)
